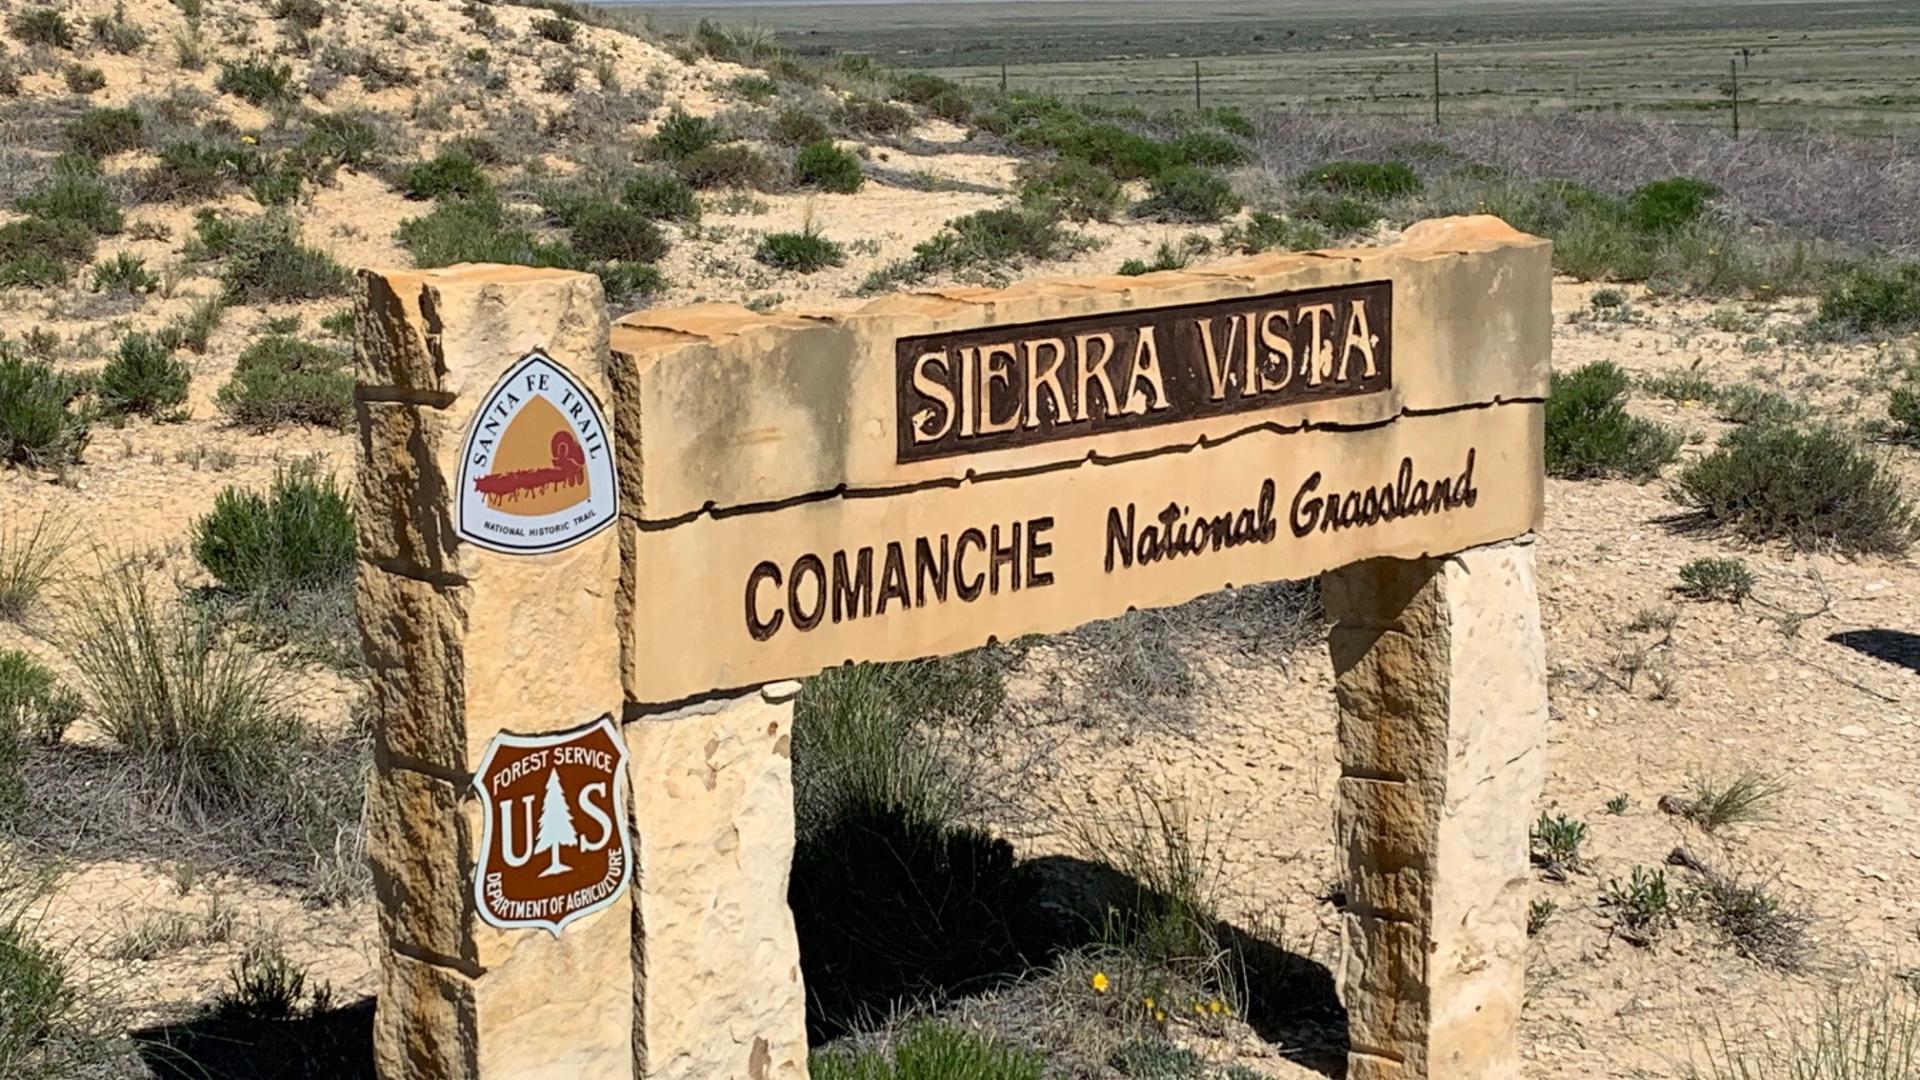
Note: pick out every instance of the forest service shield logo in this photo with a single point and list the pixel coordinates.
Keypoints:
(537, 472)
(554, 847)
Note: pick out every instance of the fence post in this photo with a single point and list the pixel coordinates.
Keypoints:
(1003, 78)
(1733, 70)
(1436, 89)
(1196, 86)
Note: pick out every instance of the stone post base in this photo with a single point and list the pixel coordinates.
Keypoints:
(1440, 671)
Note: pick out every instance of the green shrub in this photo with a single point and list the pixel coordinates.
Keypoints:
(1164, 258)
(557, 30)
(755, 88)
(61, 240)
(605, 230)
(99, 132)
(1665, 206)
(1814, 488)
(795, 127)
(481, 230)
(201, 715)
(1230, 120)
(1368, 179)
(1903, 413)
(825, 166)
(38, 425)
(125, 272)
(41, 1029)
(85, 79)
(1155, 1057)
(865, 116)
(1209, 148)
(804, 252)
(1643, 907)
(266, 261)
(682, 135)
(1590, 434)
(33, 702)
(930, 1050)
(193, 169)
(193, 330)
(1725, 580)
(299, 534)
(1269, 232)
(728, 166)
(1681, 386)
(256, 81)
(1125, 154)
(282, 380)
(996, 236)
(941, 97)
(1874, 300)
(143, 377)
(1745, 403)
(1556, 842)
(78, 194)
(661, 196)
(1074, 189)
(1342, 215)
(1188, 193)
(339, 139)
(306, 14)
(41, 26)
(450, 172)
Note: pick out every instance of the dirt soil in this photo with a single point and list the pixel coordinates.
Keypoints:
(1807, 681)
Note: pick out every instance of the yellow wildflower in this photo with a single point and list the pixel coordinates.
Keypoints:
(1148, 1002)
(1216, 1007)
(1199, 1009)
(1159, 1017)
(248, 139)
(1100, 982)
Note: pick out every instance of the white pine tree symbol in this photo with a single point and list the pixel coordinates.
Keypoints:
(556, 825)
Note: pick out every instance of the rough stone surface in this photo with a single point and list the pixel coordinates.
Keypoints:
(701, 569)
(722, 406)
(717, 988)
(1441, 683)
(464, 643)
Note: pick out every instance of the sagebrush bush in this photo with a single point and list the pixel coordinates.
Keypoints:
(1209, 148)
(1340, 215)
(99, 132)
(125, 272)
(41, 26)
(201, 715)
(1874, 300)
(730, 165)
(682, 134)
(555, 29)
(1187, 193)
(43, 251)
(257, 81)
(76, 193)
(865, 116)
(1903, 413)
(1725, 580)
(298, 534)
(661, 196)
(824, 166)
(805, 251)
(1812, 487)
(606, 230)
(482, 230)
(1165, 257)
(1665, 206)
(1264, 231)
(796, 127)
(33, 702)
(38, 425)
(85, 78)
(989, 240)
(1590, 434)
(1072, 188)
(194, 169)
(282, 380)
(1744, 403)
(1367, 179)
(144, 377)
(450, 172)
(339, 139)
(266, 261)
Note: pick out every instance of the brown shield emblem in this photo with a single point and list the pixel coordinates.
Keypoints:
(554, 847)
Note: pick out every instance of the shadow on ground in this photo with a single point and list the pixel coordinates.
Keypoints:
(1895, 647)
(892, 915)
(328, 1044)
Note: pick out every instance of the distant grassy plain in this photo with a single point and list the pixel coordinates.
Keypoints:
(1836, 66)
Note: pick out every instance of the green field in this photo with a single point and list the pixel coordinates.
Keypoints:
(1851, 67)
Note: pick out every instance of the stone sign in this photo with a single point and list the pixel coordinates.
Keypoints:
(782, 493)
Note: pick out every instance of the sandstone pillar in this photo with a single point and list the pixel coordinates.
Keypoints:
(465, 642)
(1441, 688)
(717, 989)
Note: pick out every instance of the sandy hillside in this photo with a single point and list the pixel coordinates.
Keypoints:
(1650, 691)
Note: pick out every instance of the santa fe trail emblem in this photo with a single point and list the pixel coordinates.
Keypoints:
(537, 472)
(554, 846)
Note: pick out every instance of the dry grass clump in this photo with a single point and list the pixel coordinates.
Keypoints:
(31, 554)
(1865, 1032)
